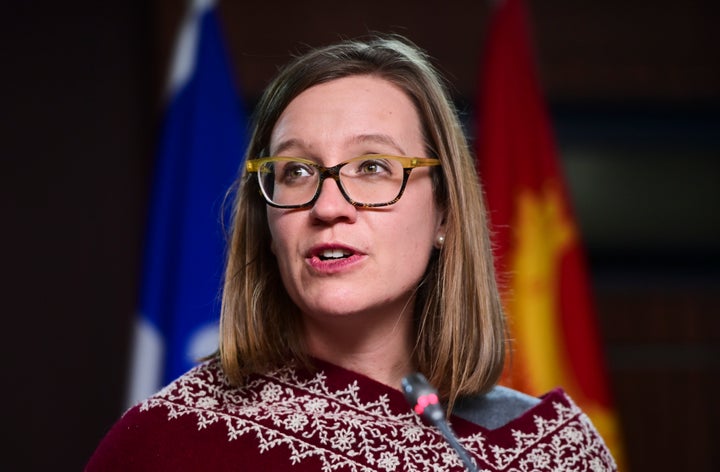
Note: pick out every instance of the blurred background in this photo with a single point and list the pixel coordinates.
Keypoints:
(634, 94)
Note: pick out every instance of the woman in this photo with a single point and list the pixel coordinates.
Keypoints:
(359, 254)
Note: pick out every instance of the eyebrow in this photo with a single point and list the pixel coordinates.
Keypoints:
(287, 144)
(374, 138)
(378, 139)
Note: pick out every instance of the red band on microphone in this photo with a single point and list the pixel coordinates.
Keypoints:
(423, 401)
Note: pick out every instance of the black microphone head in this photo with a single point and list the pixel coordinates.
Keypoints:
(422, 397)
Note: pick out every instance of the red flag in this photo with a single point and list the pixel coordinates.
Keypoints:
(539, 257)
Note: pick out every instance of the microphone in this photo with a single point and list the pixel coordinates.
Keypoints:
(423, 399)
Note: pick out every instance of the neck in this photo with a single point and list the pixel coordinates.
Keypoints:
(380, 349)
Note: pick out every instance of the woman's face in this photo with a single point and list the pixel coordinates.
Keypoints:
(384, 251)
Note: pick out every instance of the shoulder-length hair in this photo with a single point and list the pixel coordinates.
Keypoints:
(459, 323)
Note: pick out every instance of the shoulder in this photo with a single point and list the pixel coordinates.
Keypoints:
(495, 408)
(523, 429)
(154, 434)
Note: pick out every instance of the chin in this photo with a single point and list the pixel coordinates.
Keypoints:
(333, 311)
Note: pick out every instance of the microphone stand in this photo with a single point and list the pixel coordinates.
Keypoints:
(423, 398)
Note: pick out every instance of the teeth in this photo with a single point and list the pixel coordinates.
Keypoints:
(334, 254)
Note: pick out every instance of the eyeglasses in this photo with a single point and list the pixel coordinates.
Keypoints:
(369, 181)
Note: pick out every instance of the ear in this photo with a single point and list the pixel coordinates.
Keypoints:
(440, 230)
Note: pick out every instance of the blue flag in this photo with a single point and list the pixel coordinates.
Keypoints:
(201, 151)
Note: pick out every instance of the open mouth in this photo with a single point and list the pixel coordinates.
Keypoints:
(333, 254)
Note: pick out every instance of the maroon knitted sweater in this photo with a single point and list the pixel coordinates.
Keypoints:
(331, 420)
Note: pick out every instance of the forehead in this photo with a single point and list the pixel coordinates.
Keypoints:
(351, 110)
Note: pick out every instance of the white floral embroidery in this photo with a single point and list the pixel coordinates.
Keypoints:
(343, 440)
(271, 393)
(345, 433)
(571, 435)
(206, 402)
(296, 422)
(412, 432)
(388, 461)
(450, 459)
(315, 405)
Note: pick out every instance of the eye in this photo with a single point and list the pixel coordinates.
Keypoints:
(293, 171)
(373, 166)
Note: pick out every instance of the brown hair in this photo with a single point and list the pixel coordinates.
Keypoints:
(460, 328)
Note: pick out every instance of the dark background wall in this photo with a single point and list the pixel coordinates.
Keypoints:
(634, 89)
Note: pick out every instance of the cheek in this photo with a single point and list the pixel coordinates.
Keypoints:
(275, 225)
(286, 232)
(422, 218)
(413, 237)
(280, 245)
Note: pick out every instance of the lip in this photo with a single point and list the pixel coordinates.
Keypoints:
(333, 266)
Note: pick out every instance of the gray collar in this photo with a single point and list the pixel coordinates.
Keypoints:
(496, 408)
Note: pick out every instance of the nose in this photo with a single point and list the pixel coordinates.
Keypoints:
(331, 205)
